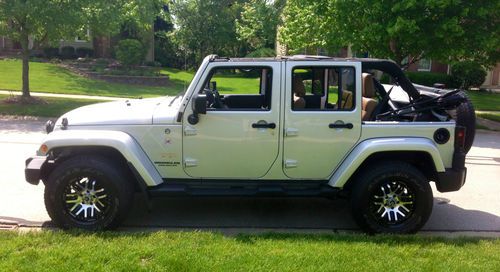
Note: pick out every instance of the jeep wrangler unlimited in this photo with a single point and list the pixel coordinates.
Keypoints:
(289, 126)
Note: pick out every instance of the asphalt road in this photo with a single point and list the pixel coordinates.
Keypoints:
(475, 207)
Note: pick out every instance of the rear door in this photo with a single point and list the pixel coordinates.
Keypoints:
(318, 136)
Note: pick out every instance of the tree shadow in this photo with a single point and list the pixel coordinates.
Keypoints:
(294, 219)
(288, 213)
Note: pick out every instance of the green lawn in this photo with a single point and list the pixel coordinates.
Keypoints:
(485, 101)
(55, 107)
(50, 78)
(493, 116)
(206, 251)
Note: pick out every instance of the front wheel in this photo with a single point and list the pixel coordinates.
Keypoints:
(391, 197)
(89, 193)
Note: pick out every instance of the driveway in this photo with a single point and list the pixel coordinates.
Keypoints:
(474, 208)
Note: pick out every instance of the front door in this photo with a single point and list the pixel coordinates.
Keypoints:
(238, 137)
(322, 117)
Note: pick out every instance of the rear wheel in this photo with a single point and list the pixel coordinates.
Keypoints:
(89, 193)
(391, 197)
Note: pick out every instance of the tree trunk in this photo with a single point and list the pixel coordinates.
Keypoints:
(25, 57)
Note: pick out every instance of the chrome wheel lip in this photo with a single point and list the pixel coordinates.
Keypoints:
(392, 202)
(86, 200)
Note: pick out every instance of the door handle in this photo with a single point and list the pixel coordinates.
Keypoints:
(264, 125)
(341, 125)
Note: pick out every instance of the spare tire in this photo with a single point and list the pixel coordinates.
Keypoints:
(466, 117)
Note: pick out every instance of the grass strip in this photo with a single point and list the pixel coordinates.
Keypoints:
(207, 251)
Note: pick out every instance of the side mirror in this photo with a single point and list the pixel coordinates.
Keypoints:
(199, 106)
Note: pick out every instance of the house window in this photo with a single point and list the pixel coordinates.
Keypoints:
(83, 38)
(424, 65)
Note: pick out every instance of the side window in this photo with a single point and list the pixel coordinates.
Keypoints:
(323, 88)
(239, 88)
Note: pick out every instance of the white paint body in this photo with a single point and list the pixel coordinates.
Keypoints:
(155, 136)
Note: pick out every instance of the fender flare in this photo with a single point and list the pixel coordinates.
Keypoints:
(371, 146)
(128, 147)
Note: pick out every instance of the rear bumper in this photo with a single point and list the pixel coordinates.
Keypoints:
(33, 170)
(453, 178)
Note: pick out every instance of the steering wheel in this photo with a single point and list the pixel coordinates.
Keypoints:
(210, 97)
(213, 98)
(217, 100)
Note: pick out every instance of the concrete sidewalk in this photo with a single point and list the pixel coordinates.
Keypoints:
(72, 96)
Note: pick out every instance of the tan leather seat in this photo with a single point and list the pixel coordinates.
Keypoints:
(299, 91)
(369, 103)
(346, 102)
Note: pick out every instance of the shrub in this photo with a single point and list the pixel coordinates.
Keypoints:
(51, 52)
(84, 52)
(130, 52)
(467, 74)
(262, 52)
(430, 78)
(68, 52)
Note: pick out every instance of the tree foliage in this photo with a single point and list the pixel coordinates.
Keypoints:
(467, 74)
(46, 21)
(130, 52)
(206, 27)
(438, 29)
(258, 23)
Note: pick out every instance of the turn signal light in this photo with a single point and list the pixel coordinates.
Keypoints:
(44, 149)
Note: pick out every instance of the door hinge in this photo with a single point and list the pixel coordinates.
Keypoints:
(290, 163)
(188, 162)
(291, 132)
(188, 130)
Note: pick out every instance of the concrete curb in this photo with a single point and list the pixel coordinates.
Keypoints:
(257, 231)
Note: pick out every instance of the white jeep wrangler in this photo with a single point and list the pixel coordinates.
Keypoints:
(289, 126)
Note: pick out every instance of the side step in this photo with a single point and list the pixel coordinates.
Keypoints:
(239, 188)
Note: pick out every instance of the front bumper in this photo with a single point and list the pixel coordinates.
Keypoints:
(34, 167)
(453, 178)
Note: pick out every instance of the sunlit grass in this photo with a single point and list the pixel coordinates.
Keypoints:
(207, 251)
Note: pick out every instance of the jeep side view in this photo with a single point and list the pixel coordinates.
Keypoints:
(287, 126)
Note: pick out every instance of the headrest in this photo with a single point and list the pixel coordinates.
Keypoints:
(368, 86)
(298, 87)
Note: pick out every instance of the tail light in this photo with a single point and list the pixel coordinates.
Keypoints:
(459, 137)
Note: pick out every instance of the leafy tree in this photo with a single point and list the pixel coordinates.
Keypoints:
(206, 27)
(44, 21)
(38, 21)
(258, 23)
(397, 29)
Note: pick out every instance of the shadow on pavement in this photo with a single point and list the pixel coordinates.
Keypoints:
(275, 213)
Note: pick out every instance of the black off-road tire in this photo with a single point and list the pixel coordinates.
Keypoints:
(119, 192)
(365, 193)
(466, 117)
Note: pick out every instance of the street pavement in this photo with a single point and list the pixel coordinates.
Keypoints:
(476, 207)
